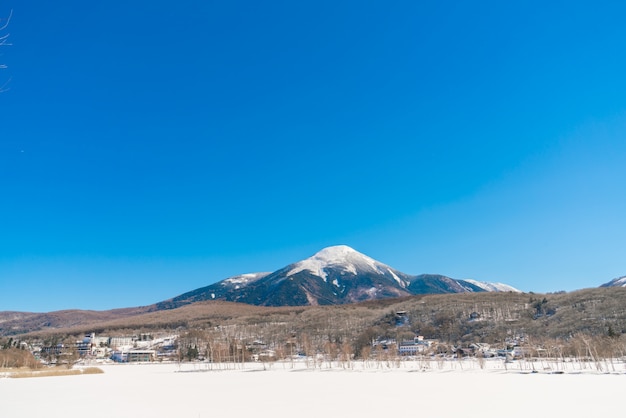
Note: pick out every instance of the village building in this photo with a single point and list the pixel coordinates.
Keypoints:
(415, 346)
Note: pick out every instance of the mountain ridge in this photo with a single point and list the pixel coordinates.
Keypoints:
(617, 282)
(334, 275)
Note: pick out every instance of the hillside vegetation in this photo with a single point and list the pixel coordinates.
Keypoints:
(14, 358)
(452, 318)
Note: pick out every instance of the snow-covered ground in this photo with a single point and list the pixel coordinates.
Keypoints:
(441, 389)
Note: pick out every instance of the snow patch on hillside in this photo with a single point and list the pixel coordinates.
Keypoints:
(312, 265)
(619, 282)
(244, 279)
(493, 287)
(396, 278)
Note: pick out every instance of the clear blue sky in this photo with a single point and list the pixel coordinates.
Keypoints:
(148, 148)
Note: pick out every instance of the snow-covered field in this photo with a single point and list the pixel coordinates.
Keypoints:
(459, 388)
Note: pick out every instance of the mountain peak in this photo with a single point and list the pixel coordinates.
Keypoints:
(340, 256)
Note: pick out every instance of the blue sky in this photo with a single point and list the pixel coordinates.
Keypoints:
(148, 148)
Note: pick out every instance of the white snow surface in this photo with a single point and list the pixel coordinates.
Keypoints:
(493, 287)
(454, 389)
(344, 258)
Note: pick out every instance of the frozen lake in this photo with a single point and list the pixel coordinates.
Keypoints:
(172, 390)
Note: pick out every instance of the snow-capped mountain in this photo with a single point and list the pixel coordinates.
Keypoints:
(348, 263)
(619, 282)
(334, 275)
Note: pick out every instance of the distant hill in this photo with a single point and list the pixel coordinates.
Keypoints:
(15, 323)
(468, 316)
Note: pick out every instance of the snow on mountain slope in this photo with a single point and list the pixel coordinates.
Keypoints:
(334, 275)
(242, 280)
(344, 258)
(619, 282)
(493, 287)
